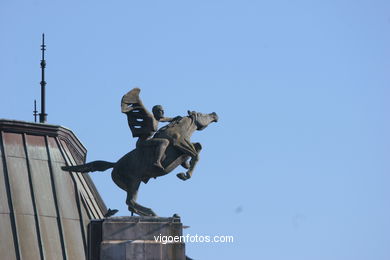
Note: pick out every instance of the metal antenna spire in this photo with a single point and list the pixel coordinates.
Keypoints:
(35, 112)
(43, 115)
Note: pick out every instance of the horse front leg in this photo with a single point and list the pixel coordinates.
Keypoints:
(192, 164)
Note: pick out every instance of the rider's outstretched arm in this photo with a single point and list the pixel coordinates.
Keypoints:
(169, 119)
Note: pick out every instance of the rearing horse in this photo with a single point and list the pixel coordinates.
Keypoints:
(136, 166)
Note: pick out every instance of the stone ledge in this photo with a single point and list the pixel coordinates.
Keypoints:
(134, 238)
(141, 249)
(126, 230)
(137, 219)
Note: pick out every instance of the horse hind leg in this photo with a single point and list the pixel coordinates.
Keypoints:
(132, 190)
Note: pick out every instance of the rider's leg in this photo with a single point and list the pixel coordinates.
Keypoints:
(160, 150)
(161, 146)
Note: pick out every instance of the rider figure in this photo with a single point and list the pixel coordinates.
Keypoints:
(160, 144)
(144, 125)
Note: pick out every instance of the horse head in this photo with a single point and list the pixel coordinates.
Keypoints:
(203, 120)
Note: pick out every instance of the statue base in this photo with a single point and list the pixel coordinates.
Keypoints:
(125, 238)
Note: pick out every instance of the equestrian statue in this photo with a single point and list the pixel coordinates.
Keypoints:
(157, 152)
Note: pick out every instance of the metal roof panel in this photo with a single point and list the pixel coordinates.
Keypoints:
(43, 189)
(7, 248)
(51, 239)
(28, 239)
(20, 186)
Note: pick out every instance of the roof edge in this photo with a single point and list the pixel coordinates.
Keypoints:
(39, 129)
(63, 133)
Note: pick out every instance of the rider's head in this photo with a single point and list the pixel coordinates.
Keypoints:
(158, 112)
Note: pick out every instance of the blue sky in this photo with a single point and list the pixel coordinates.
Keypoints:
(298, 165)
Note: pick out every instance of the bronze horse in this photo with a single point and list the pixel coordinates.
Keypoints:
(137, 166)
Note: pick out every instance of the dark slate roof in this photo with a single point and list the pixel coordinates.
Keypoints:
(44, 211)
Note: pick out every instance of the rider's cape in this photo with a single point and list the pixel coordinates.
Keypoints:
(140, 120)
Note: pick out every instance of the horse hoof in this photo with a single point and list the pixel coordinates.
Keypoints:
(148, 214)
(181, 176)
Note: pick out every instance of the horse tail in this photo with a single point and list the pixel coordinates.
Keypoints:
(90, 167)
